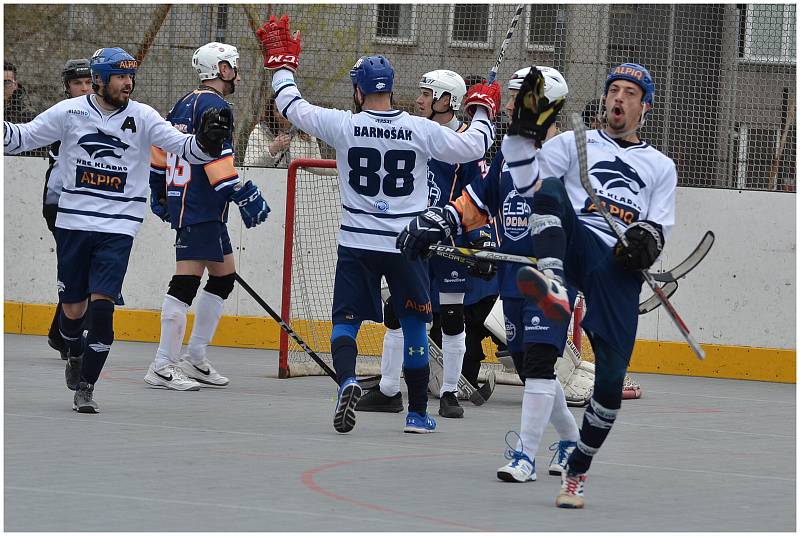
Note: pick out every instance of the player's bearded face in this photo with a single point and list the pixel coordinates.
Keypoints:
(119, 89)
(623, 106)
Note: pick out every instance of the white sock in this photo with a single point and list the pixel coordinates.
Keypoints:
(453, 348)
(391, 362)
(173, 327)
(206, 317)
(561, 418)
(537, 405)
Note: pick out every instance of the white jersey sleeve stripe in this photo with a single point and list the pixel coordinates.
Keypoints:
(286, 109)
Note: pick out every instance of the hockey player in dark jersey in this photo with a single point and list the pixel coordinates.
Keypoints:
(194, 199)
(77, 81)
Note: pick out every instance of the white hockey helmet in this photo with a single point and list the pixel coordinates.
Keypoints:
(206, 59)
(442, 81)
(555, 86)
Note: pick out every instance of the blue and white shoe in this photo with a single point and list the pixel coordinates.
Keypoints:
(563, 449)
(417, 423)
(521, 468)
(344, 418)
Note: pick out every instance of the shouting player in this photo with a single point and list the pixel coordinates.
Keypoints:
(382, 156)
(574, 243)
(194, 199)
(105, 141)
(534, 341)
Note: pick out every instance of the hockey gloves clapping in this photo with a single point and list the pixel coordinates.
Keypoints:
(158, 197)
(482, 239)
(488, 96)
(645, 242)
(281, 49)
(533, 112)
(251, 204)
(430, 227)
(216, 127)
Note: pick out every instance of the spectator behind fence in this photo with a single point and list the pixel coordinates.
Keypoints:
(15, 107)
(274, 142)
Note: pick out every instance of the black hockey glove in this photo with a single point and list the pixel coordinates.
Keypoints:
(482, 239)
(533, 112)
(216, 126)
(430, 227)
(645, 242)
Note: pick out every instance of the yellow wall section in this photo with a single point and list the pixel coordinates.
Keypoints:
(734, 362)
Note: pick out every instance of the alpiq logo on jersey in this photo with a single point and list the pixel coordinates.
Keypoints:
(109, 181)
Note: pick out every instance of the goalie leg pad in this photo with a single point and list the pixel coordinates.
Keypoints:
(184, 287)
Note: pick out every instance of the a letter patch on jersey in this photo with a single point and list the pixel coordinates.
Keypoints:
(128, 124)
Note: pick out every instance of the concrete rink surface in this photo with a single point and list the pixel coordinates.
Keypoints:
(694, 454)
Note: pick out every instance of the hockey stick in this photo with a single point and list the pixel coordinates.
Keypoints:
(504, 44)
(471, 256)
(366, 383)
(653, 302)
(580, 143)
(689, 263)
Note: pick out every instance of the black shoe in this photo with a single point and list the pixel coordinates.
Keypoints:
(449, 407)
(59, 346)
(82, 401)
(72, 373)
(374, 400)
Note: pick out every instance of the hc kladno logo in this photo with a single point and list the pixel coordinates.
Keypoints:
(101, 144)
(617, 174)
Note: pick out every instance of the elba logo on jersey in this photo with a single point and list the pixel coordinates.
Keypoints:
(516, 212)
(511, 331)
(100, 144)
(108, 181)
(617, 174)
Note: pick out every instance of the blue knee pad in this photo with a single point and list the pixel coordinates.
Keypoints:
(415, 342)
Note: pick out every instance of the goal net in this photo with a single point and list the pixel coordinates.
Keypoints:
(313, 211)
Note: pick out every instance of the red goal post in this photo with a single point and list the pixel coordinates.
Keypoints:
(313, 211)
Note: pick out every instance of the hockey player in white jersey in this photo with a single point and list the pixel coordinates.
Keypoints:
(382, 156)
(104, 160)
(573, 242)
(441, 94)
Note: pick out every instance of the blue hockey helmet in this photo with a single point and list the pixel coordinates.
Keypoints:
(372, 74)
(633, 72)
(108, 61)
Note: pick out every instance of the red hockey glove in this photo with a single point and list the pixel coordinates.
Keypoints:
(482, 95)
(281, 50)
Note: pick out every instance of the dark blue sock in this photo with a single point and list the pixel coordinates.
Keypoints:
(98, 341)
(344, 351)
(417, 383)
(71, 331)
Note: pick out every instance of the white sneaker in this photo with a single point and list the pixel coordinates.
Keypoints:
(203, 373)
(171, 377)
(519, 469)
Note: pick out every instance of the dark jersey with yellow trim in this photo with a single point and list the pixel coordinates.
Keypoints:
(196, 193)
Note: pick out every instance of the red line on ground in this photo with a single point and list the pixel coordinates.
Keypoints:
(308, 481)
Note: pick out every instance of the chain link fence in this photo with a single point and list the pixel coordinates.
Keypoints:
(724, 73)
